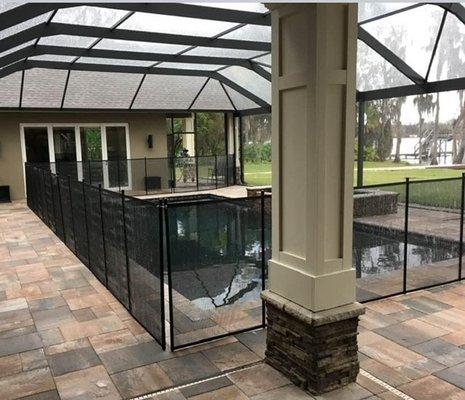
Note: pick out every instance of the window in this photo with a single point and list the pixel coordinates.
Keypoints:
(77, 150)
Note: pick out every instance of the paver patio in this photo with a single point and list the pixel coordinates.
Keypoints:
(64, 336)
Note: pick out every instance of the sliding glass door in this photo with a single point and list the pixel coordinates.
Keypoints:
(118, 166)
(36, 144)
(91, 153)
(64, 145)
(96, 153)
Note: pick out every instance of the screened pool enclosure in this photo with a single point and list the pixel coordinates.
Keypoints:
(166, 57)
(175, 59)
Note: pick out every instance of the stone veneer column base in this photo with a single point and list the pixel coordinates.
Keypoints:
(317, 351)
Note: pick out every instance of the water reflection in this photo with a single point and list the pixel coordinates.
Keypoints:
(379, 253)
(215, 250)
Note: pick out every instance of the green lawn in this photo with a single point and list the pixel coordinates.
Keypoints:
(378, 177)
(257, 174)
(382, 164)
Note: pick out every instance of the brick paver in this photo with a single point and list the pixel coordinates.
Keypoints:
(64, 336)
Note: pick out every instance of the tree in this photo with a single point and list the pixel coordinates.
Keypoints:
(382, 116)
(210, 134)
(396, 113)
(434, 147)
(449, 64)
(425, 105)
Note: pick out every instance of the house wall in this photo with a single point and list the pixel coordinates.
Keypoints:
(140, 125)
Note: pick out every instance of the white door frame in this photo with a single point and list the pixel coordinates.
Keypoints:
(77, 131)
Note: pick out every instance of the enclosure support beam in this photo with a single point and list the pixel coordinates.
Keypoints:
(360, 142)
(39, 50)
(26, 12)
(389, 56)
(312, 282)
(54, 28)
(411, 90)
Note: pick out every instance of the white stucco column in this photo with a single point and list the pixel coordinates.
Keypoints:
(311, 310)
(314, 60)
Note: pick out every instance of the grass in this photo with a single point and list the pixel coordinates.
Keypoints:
(389, 176)
(382, 164)
(258, 174)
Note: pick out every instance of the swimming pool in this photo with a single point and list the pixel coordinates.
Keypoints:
(379, 251)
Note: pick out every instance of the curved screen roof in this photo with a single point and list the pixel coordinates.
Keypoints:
(215, 56)
(406, 49)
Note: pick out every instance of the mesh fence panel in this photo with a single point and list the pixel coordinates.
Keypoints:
(115, 245)
(57, 207)
(96, 172)
(185, 174)
(67, 168)
(66, 204)
(95, 229)
(79, 220)
(48, 199)
(378, 240)
(267, 210)
(159, 177)
(207, 175)
(433, 232)
(145, 268)
(231, 170)
(94, 223)
(40, 203)
(222, 170)
(136, 170)
(215, 269)
(30, 190)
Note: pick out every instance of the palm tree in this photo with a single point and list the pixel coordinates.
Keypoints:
(425, 105)
(434, 147)
(396, 113)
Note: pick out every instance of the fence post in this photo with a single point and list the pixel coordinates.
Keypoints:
(44, 198)
(61, 209)
(90, 173)
(145, 179)
(197, 170)
(216, 171)
(162, 273)
(462, 206)
(103, 235)
(71, 213)
(168, 269)
(173, 173)
(407, 199)
(128, 275)
(360, 142)
(262, 243)
(86, 223)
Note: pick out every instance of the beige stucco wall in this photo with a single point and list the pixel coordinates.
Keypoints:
(140, 125)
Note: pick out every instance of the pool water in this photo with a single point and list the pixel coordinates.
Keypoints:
(215, 250)
(382, 252)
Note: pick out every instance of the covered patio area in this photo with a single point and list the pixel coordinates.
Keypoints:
(110, 110)
(64, 336)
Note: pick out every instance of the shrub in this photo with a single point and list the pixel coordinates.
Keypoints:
(266, 152)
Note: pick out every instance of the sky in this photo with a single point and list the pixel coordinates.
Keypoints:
(417, 30)
(448, 109)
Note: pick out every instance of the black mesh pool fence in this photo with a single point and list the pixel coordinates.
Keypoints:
(139, 176)
(407, 236)
(118, 238)
(216, 260)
